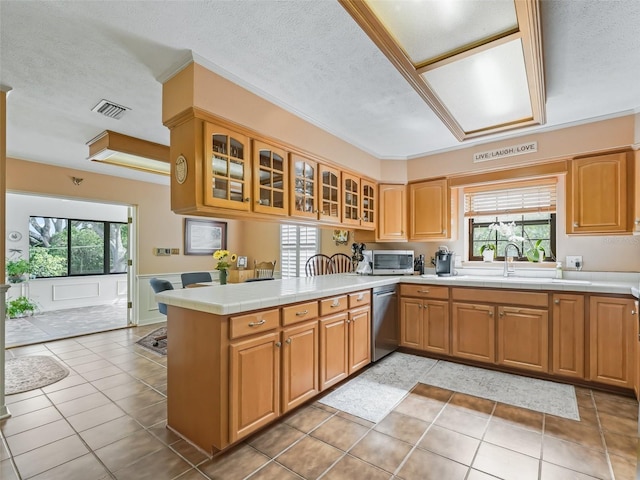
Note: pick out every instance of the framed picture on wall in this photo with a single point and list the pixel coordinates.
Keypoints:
(203, 237)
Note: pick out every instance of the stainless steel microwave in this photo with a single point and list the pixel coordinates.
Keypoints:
(390, 262)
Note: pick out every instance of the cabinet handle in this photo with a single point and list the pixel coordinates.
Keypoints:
(419, 305)
(557, 302)
(444, 232)
(360, 297)
(256, 324)
(501, 314)
(316, 211)
(637, 221)
(401, 232)
(633, 312)
(348, 321)
(576, 224)
(491, 314)
(278, 344)
(423, 291)
(289, 341)
(302, 313)
(425, 306)
(247, 199)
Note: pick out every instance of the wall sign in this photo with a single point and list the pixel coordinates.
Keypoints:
(503, 152)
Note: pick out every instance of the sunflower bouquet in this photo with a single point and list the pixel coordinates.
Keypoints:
(224, 259)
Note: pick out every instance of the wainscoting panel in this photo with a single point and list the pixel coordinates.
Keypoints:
(75, 291)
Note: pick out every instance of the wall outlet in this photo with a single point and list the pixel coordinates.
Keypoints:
(162, 252)
(175, 251)
(574, 261)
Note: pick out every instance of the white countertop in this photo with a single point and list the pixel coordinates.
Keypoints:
(244, 297)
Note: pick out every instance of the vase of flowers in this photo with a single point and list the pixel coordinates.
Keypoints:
(224, 259)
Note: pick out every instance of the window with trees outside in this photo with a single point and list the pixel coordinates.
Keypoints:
(61, 247)
(522, 213)
(297, 245)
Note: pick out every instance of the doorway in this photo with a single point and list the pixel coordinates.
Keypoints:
(80, 267)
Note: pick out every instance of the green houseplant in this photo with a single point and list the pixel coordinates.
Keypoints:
(488, 252)
(20, 307)
(536, 253)
(17, 270)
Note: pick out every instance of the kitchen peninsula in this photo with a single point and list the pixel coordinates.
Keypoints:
(241, 355)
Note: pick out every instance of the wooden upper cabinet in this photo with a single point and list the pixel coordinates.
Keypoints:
(351, 201)
(358, 201)
(392, 213)
(597, 194)
(270, 173)
(304, 188)
(227, 173)
(429, 210)
(330, 198)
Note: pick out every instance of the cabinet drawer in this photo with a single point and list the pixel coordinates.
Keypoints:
(424, 291)
(253, 323)
(486, 295)
(299, 313)
(333, 305)
(358, 299)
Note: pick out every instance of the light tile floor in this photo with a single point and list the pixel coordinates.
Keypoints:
(107, 420)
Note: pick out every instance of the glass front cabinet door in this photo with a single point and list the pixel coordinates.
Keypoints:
(358, 202)
(227, 172)
(329, 194)
(270, 187)
(369, 204)
(304, 184)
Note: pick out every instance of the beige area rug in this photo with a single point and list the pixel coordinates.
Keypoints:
(28, 373)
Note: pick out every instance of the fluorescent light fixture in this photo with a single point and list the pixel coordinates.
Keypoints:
(130, 152)
(477, 64)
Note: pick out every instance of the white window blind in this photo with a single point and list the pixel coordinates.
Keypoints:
(520, 197)
(297, 244)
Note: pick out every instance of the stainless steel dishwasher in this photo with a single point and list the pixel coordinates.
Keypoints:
(385, 331)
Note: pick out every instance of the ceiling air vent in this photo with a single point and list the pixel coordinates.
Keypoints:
(110, 109)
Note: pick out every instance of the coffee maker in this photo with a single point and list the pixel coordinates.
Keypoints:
(444, 262)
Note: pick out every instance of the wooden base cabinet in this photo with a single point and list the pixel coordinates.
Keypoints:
(612, 341)
(299, 364)
(473, 330)
(568, 329)
(334, 350)
(523, 338)
(424, 325)
(254, 383)
(359, 338)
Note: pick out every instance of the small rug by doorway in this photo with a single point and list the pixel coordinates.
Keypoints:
(30, 372)
(148, 341)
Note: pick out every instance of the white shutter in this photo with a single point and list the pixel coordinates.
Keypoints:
(297, 244)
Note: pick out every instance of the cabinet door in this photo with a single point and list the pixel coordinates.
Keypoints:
(523, 338)
(411, 323)
(254, 384)
(304, 188)
(351, 204)
(611, 341)
(299, 364)
(330, 198)
(227, 172)
(597, 194)
(436, 337)
(473, 332)
(429, 210)
(636, 338)
(568, 335)
(392, 213)
(270, 174)
(359, 338)
(369, 204)
(334, 350)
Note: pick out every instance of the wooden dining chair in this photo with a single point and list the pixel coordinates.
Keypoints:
(341, 263)
(264, 269)
(318, 264)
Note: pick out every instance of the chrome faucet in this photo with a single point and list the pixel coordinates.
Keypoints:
(509, 267)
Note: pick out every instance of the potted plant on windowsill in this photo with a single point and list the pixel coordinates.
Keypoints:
(536, 253)
(17, 270)
(488, 252)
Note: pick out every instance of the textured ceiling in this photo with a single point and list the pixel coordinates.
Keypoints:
(310, 57)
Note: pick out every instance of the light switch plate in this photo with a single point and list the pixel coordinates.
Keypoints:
(162, 252)
(572, 259)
